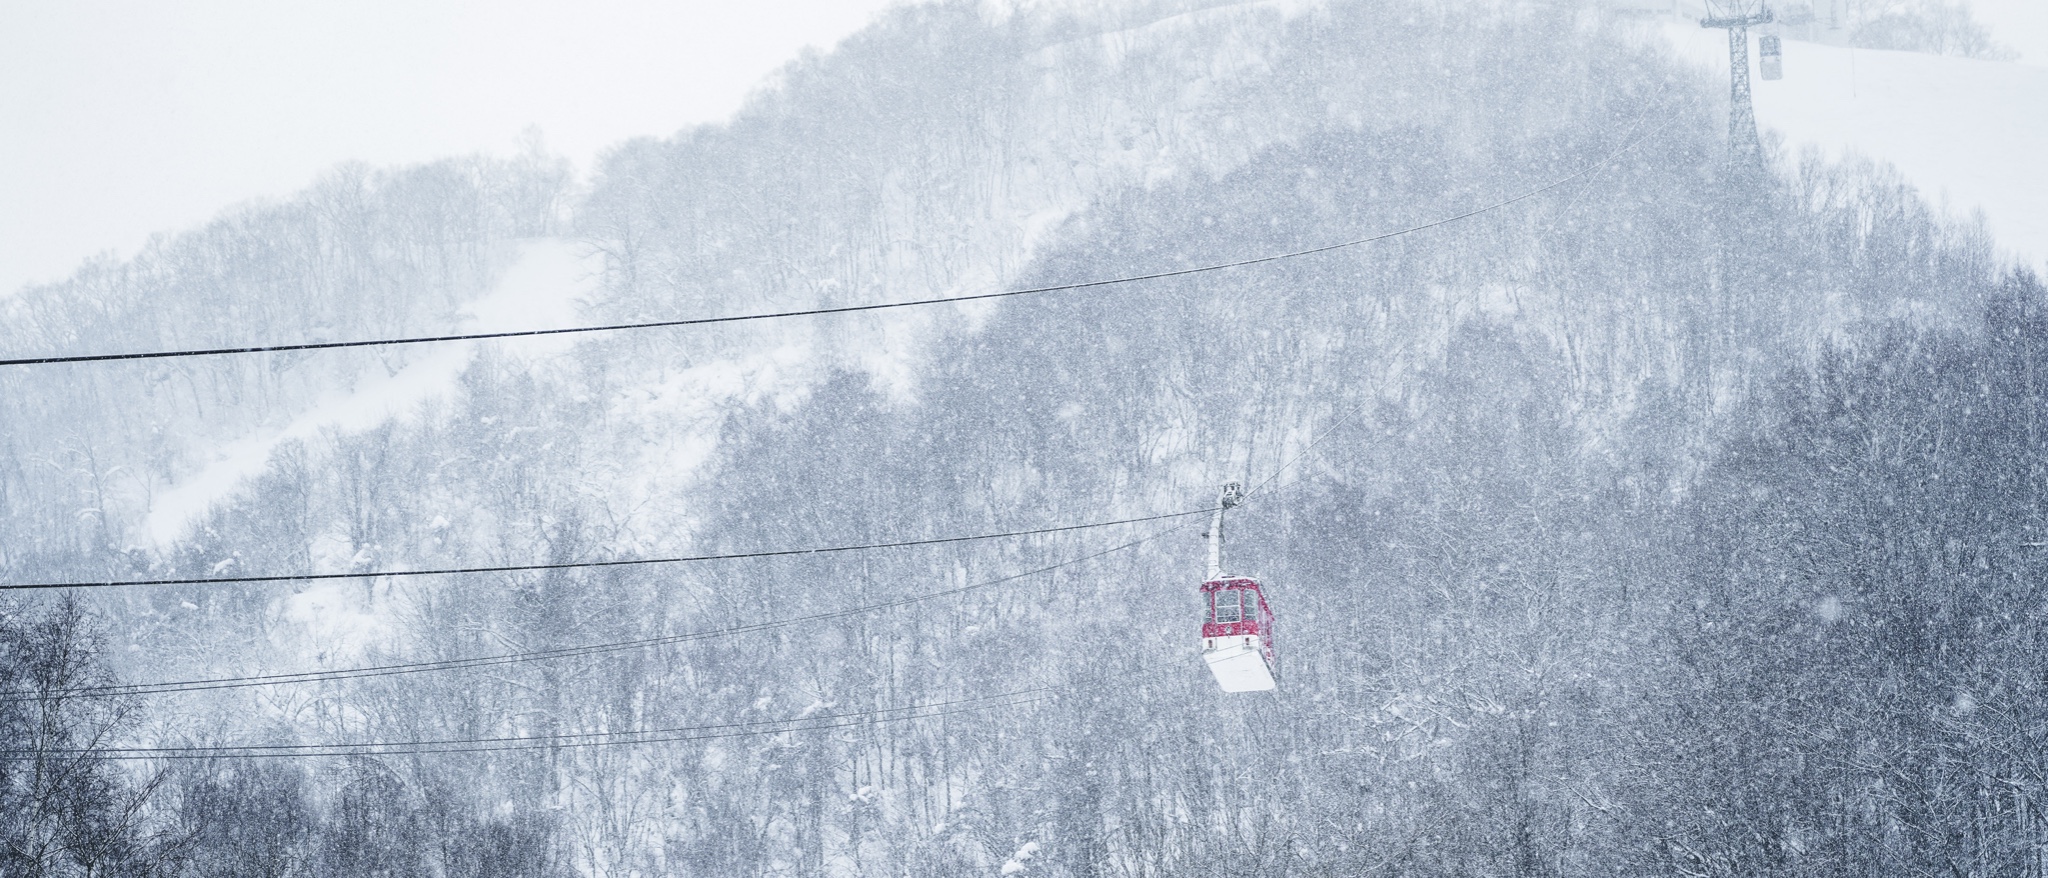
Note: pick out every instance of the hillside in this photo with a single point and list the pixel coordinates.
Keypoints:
(1570, 490)
(1958, 129)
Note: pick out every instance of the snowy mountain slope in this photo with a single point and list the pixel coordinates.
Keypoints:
(1480, 571)
(365, 253)
(1971, 135)
(667, 424)
(1075, 130)
(539, 289)
(1042, 122)
(1103, 111)
(1058, 153)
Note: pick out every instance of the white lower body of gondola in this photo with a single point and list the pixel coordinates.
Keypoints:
(1238, 663)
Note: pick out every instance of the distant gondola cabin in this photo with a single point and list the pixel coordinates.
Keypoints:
(1771, 57)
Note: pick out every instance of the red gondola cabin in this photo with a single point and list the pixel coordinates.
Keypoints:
(1237, 636)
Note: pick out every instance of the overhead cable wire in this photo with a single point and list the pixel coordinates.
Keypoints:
(841, 309)
(568, 740)
(753, 728)
(574, 740)
(578, 565)
(243, 682)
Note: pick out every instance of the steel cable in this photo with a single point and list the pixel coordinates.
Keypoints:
(243, 682)
(577, 565)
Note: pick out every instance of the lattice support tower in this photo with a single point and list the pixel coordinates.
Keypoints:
(1744, 148)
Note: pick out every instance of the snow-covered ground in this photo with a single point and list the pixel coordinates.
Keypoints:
(538, 291)
(1971, 135)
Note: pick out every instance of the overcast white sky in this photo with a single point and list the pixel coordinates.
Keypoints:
(127, 117)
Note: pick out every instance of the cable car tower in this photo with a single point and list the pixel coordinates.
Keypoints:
(1744, 149)
(1237, 633)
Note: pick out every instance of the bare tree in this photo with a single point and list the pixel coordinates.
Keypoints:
(64, 808)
